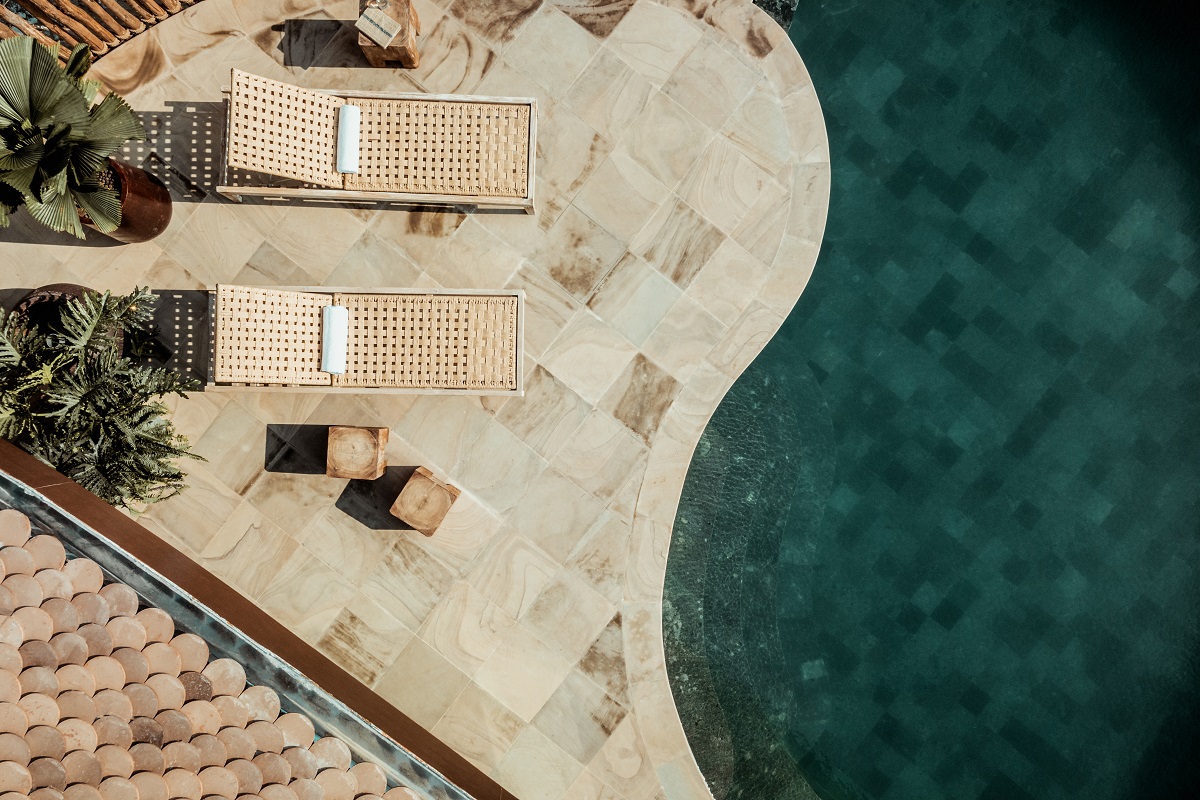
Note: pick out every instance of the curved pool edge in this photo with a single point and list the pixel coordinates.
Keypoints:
(672, 448)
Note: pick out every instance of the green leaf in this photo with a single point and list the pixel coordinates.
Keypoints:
(58, 214)
(21, 179)
(113, 123)
(27, 152)
(54, 186)
(78, 63)
(53, 98)
(16, 56)
(103, 206)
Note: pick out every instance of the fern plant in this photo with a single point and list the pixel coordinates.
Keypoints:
(69, 397)
(54, 143)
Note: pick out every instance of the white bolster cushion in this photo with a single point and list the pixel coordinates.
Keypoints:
(335, 333)
(349, 120)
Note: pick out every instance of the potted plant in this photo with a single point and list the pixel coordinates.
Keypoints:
(56, 148)
(69, 396)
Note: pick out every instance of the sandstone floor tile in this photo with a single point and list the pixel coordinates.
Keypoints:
(269, 267)
(666, 139)
(653, 39)
(621, 195)
(512, 572)
(678, 242)
(198, 513)
(474, 259)
(579, 717)
(624, 764)
(465, 627)
(536, 768)
(453, 59)
(724, 185)
(248, 550)
(408, 582)
(496, 22)
(552, 49)
(191, 415)
(467, 531)
(729, 281)
(548, 414)
(588, 787)
(601, 455)
(421, 683)
(205, 26)
(373, 262)
(568, 615)
(633, 298)
(215, 243)
(364, 639)
(604, 662)
(306, 595)
(641, 645)
(522, 673)
(497, 467)
(443, 431)
(548, 307)
(255, 15)
(598, 18)
(290, 500)
(120, 268)
(601, 557)
(588, 356)
(745, 339)
(316, 239)
(759, 129)
(711, 82)
(479, 727)
(641, 396)
(137, 62)
(350, 548)
(555, 514)
(505, 80)
(578, 253)
(684, 338)
(235, 441)
(568, 151)
(417, 234)
(608, 95)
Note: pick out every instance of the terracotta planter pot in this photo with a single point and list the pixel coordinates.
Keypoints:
(145, 204)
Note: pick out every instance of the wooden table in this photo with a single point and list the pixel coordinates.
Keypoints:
(356, 453)
(404, 49)
(424, 501)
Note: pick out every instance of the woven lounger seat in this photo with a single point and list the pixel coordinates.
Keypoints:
(413, 148)
(406, 341)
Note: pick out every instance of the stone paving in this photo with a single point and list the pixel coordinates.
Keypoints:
(682, 193)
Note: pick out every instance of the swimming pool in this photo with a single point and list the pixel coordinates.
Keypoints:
(940, 541)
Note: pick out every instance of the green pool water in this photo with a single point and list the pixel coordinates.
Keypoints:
(941, 540)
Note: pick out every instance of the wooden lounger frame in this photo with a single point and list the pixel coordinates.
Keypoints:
(269, 339)
(414, 149)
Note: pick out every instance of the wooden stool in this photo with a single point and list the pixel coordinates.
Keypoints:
(404, 49)
(356, 453)
(424, 501)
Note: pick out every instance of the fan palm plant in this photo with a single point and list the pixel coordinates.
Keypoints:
(54, 143)
(69, 397)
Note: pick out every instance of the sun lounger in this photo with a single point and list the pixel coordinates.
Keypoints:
(410, 148)
(459, 342)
